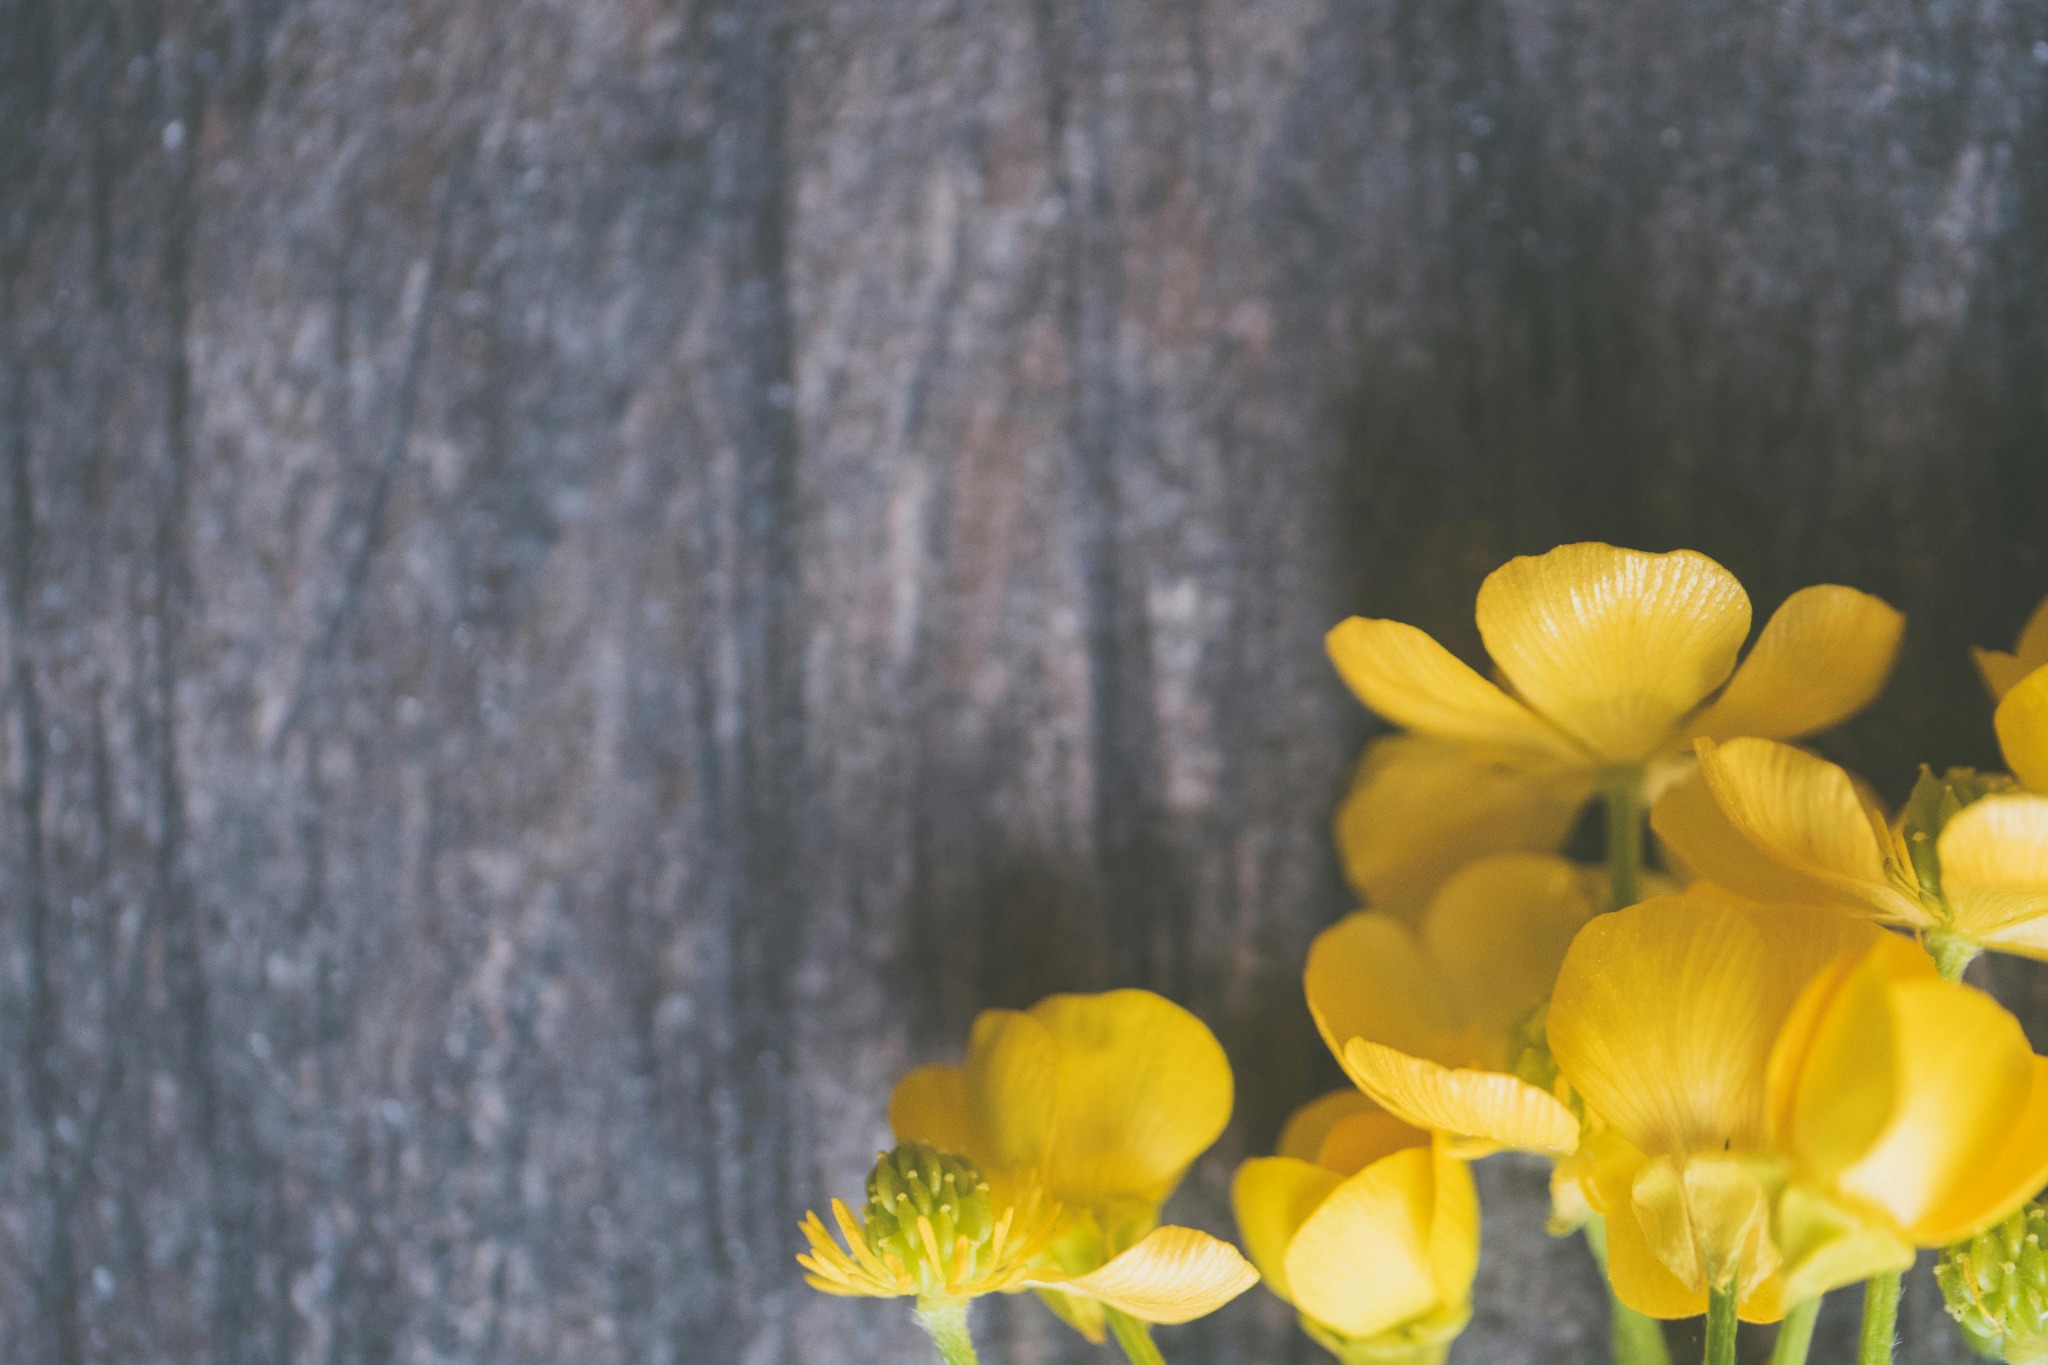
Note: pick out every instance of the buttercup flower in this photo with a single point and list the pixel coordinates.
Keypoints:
(1102, 1102)
(1965, 865)
(2001, 671)
(1611, 660)
(1790, 1100)
(1431, 1021)
(1368, 1227)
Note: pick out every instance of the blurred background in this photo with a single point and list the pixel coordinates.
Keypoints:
(587, 579)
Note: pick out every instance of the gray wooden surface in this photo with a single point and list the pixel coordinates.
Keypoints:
(587, 579)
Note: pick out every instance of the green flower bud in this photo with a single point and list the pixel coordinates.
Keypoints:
(1996, 1285)
(929, 1211)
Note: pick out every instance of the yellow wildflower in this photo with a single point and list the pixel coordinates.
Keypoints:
(1102, 1101)
(2001, 671)
(1789, 1099)
(1611, 661)
(1965, 865)
(1434, 1022)
(1367, 1226)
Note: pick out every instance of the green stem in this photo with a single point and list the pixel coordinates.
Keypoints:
(945, 1322)
(1795, 1334)
(1624, 791)
(1952, 954)
(1720, 1325)
(1637, 1338)
(1880, 1319)
(1135, 1337)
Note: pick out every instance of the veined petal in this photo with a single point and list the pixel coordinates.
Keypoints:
(1171, 1275)
(1361, 1262)
(1994, 869)
(1665, 1014)
(1822, 657)
(1272, 1197)
(1500, 929)
(2008, 1180)
(930, 1105)
(1693, 829)
(2022, 724)
(1965, 1075)
(1302, 1137)
(1367, 977)
(1806, 815)
(1011, 1082)
(1482, 1111)
(1416, 683)
(1420, 808)
(1144, 1088)
(1615, 647)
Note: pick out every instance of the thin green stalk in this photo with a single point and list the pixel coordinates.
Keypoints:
(1624, 792)
(1637, 1339)
(1795, 1334)
(1135, 1338)
(945, 1322)
(1880, 1319)
(1720, 1325)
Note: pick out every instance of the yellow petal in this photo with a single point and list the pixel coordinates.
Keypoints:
(2001, 671)
(1358, 1141)
(1708, 1219)
(1420, 808)
(1361, 1262)
(1307, 1126)
(2016, 1174)
(1665, 1014)
(1172, 1275)
(1965, 1075)
(1416, 683)
(1482, 1110)
(1454, 1227)
(1693, 829)
(1821, 658)
(1272, 1197)
(2022, 724)
(930, 1105)
(1833, 1081)
(1012, 1087)
(1500, 929)
(1615, 647)
(1640, 1279)
(1367, 977)
(1144, 1088)
(1806, 815)
(1994, 871)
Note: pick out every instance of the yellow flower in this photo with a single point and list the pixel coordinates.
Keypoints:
(1366, 1226)
(1426, 1019)
(2000, 670)
(1966, 864)
(1101, 1101)
(1610, 659)
(1789, 1100)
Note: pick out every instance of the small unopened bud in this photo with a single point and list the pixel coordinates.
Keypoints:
(1529, 1056)
(930, 1211)
(1996, 1285)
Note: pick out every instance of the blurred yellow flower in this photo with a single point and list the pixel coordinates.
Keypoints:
(1789, 1100)
(1610, 661)
(1368, 1227)
(1966, 864)
(1102, 1101)
(2000, 670)
(1432, 1021)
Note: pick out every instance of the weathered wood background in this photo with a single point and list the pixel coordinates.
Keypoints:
(587, 579)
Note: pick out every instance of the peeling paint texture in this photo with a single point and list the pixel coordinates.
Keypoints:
(585, 580)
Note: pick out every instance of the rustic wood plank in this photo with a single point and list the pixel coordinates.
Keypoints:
(587, 579)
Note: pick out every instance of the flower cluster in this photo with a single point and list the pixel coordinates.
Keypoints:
(1757, 1073)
